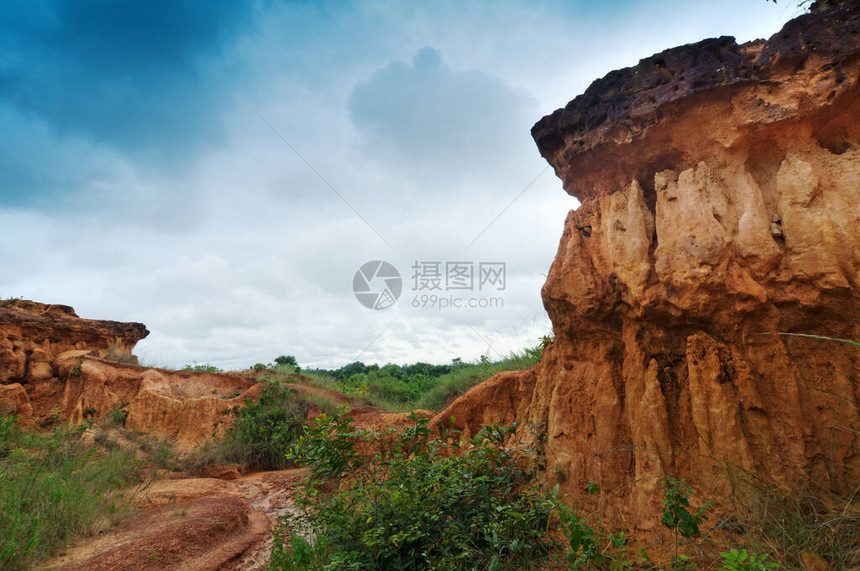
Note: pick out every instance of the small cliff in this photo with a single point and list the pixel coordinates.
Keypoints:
(52, 370)
(720, 192)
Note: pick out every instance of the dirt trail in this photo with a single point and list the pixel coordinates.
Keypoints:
(192, 524)
(204, 523)
(207, 523)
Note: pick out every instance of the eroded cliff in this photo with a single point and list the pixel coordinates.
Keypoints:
(720, 192)
(52, 370)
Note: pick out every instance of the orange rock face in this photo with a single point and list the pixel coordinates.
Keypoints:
(51, 371)
(720, 191)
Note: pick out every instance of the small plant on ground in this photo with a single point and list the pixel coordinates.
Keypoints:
(301, 555)
(583, 548)
(678, 517)
(742, 560)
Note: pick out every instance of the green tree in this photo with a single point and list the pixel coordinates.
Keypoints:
(286, 360)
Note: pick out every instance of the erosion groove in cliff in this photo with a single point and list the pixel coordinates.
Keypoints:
(720, 191)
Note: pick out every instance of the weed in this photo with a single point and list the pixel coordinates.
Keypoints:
(742, 560)
(809, 521)
(117, 417)
(848, 342)
(302, 555)
(678, 518)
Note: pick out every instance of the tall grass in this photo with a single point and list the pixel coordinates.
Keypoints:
(54, 488)
(808, 521)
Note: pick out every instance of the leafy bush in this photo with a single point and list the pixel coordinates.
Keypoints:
(286, 361)
(263, 432)
(397, 499)
(117, 417)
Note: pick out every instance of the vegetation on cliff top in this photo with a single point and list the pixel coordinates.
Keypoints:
(401, 388)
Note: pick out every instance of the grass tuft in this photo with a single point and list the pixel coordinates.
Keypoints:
(54, 488)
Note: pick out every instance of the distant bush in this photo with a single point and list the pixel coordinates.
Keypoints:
(207, 368)
(118, 355)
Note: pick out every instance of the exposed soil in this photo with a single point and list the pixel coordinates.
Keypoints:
(192, 524)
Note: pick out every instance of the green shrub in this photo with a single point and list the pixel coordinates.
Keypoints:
(401, 500)
(262, 433)
(117, 417)
(742, 560)
(286, 361)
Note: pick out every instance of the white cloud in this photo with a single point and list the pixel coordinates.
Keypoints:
(241, 252)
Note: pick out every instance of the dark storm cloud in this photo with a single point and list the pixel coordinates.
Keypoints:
(134, 75)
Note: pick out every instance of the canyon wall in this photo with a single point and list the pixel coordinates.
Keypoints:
(53, 371)
(720, 207)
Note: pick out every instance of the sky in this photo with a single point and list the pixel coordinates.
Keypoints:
(221, 172)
